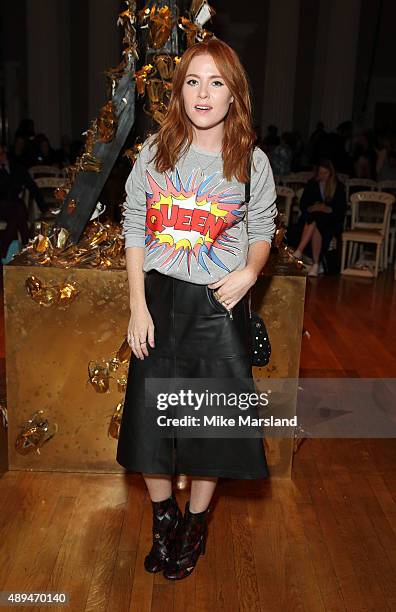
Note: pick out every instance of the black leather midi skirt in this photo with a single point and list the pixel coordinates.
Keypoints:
(195, 337)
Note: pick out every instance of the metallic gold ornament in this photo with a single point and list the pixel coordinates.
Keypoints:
(204, 35)
(46, 260)
(159, 23)
(71, 206)
(88, 162)
(85, 256)
(158, 116)
(101, 246)
(107, 122)
(122, 383)
(68, 293)
(47, 297)
(141, 77)
(115, 423)
(99, 237)
(203, 13)
(114, 364)
(279, 237)
(36, 228)
(98, 373)
(125, 16)
(33, 285)
(45, 228)
(50, 295)
(189, 28)
(155, 92)
(61, 192)
(165, 66)
(144, 15)
(42, 244)
(182, 482)
(35, 433)
(133, 152)
(124, 352)
(71, 173)
(62, 238)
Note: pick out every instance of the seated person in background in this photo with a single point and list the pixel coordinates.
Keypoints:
(281, 156)
(271, 139)
(387, 171)
(43, 154)
(21, 152)
(323, 207)
(365, 157)
(13, 178)
(64, 155)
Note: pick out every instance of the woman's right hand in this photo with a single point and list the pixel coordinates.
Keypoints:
(140, 330)
(317, 207)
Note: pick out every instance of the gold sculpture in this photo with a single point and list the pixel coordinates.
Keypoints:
(35, 432)
(107, 122)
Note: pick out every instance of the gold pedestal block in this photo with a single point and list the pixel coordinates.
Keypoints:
(47, 356)
(279, 297)
(48, 350)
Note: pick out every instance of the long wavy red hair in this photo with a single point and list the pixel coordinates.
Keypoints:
(176, 134)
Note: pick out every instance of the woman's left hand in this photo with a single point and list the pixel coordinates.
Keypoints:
(232, 288)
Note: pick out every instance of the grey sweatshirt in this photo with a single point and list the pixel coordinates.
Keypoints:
(191, 221)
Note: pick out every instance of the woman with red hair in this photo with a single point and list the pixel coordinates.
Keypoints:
(191, 261)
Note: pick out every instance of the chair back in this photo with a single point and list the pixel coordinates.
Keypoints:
(47, 182)
(47, 185)
(304, 177)
(38, 171)
(371, 210)
(296, 180)
(284, 201)
(387, 186)
(355, 185)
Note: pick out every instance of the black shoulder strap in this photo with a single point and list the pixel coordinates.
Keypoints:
(247, 185)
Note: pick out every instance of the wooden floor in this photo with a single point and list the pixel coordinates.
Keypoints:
(324, 541)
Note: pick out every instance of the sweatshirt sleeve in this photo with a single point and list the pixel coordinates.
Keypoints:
(134, 220)
(261, 209)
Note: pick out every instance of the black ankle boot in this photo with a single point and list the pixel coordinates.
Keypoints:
(190, 543)
(166, 518)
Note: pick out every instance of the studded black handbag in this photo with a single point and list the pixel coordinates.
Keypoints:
(260, 346)
(259, 341)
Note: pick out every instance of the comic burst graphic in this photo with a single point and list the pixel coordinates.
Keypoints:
(191, 220)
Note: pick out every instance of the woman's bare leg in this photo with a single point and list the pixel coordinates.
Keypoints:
(159, 486)
(202, 490)
(306, 235)
(316, 245)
